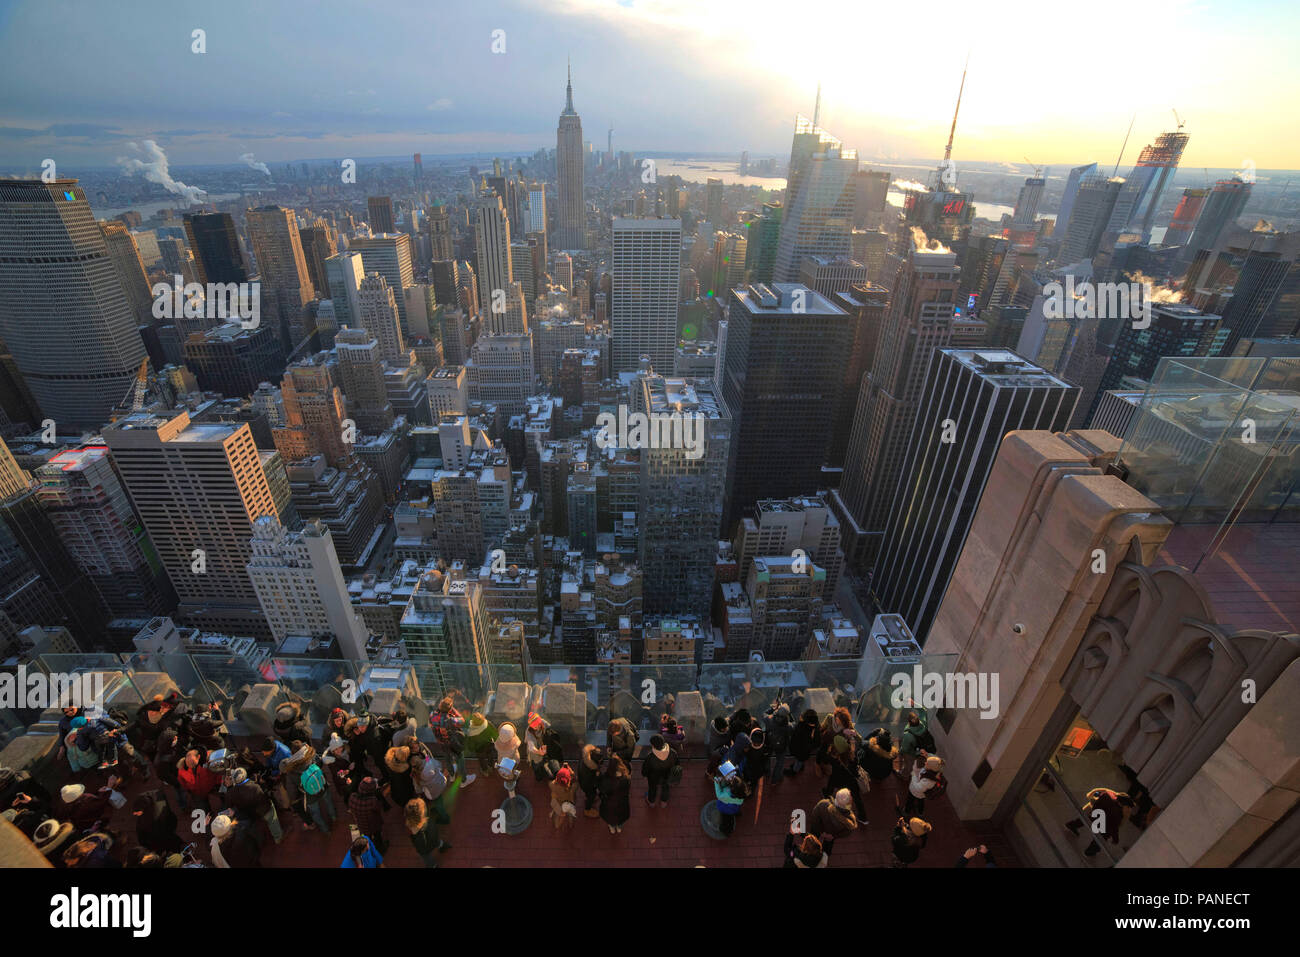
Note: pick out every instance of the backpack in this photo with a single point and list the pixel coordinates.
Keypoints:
(924, 740)
(940, 786)
(312, 780)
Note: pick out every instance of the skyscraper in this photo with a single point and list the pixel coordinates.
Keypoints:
(786, 351)
(1069, 195)
(819, 201)
(380, 211)
(571, 215)
(1155, 168)
(1090, 214)
(1185, 215)
(645, 279)
(492, 243)
(344, 273)
(971, 400)
(378, 315)
(286, 285)
(439, 233)
(124, 252)
(1027, 202)
(713, 202)
(198, 488)
(919, 322)
(680, 504)
(215, 244)
(1221, 209)
(390, 256)
(68, 322)
(299, 585)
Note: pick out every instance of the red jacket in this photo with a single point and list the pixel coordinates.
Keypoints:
(199, 781)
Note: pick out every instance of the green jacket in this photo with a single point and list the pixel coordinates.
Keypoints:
(907, 743)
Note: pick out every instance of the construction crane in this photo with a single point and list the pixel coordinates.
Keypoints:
(140, 386)
(1177, 118)
(1038, 170)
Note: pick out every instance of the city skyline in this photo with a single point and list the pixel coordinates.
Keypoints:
(741, 96)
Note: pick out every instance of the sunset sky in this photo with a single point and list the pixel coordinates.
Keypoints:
(1057, 83)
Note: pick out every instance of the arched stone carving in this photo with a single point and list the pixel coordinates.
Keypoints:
(1160, 679)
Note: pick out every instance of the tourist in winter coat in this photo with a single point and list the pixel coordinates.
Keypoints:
(615, 794)
(336, 761)
(805, 850)
(657, 768)
(621, 739)
(233, 844)
(155, 823)
(908, 840)
(398, 763)
(449, 737)
(507, 747)
(730, 793)
(916, 737)
(86, 810)
(541, 741)
(832, 819)
(878, 754)
(804, 741)
(250, 803)
(589, 770)
(363, 854)
(368, 813)
(365, 746)
(422, 828)
(779, 733)
(431, 781)
(563, 791)
(480, 735)
(197, 780)
(925, 778)
(310, 789)
(844, 775)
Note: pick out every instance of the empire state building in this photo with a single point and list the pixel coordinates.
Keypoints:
(571, 219)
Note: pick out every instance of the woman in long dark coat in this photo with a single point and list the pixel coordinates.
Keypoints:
(615, 791)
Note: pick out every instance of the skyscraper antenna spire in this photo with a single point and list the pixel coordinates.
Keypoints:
(947, 153)
(1124, 146)
(568, 89)
(817, 108)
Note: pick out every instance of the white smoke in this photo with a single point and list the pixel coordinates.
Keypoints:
(906, 184)
(247, 160)
(154, 168)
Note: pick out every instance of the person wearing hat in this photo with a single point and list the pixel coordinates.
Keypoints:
(205, 729)
(310, 790)
(151, 721)
(657, 768)
(908, 839)
(51, 837)
(833, 818)
(431, 781)
(168, 755)
(423, 831)
(925, 778)
(589, 769)
(398, 763)
(250, 803)
(405, 730)
(233, 842)
(480, 735)
(85, 810)
(365, 746)
(844, 774)
(753, 762)
(336, 759)
(291, 725)
(368, 813)
(507, 747)
(717, 742)
(335, 724)
(155, 823)
(545, 752)
(564, 788)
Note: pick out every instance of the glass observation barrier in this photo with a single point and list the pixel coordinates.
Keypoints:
(1215, 440)
(578, 700)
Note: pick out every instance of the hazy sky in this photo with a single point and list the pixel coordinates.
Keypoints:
(1054, 82)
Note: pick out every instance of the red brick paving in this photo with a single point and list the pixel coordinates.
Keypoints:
(653, 837)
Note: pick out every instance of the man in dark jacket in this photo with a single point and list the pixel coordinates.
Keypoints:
(368, 813)
(155, 823)
(832, 819)
(250, 803)
(778, 739)
(290, 725)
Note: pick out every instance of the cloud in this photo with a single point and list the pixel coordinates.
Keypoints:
(154, 168)
(441, 103)
(248, 160)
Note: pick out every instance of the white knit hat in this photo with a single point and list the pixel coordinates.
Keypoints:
(221, 826)
(71, 792)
